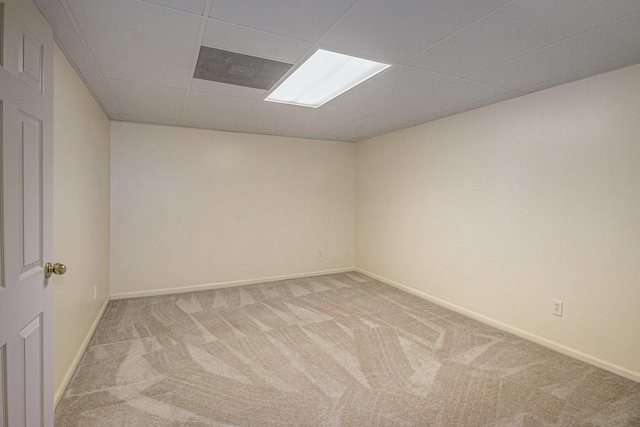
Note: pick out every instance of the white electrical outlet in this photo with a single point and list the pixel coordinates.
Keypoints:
(95, 292)
(557, 307)
(319, 252)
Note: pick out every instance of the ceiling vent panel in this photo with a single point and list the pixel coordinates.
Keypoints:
(238, 69)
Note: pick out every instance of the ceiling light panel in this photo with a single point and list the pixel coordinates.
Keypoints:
(323, 77)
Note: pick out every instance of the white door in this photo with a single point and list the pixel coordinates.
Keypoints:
(26, 136)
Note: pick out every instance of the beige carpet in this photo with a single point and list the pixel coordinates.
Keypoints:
(337, 350)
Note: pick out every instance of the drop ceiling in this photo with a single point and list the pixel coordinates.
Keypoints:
(138, 57)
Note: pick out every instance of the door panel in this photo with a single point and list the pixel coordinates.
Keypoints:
(26, 147)
(30, 60)
(32, 361)
(3, 388)
(31, 223)
(2, 222)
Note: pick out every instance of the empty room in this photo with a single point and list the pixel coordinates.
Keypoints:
(320, 213)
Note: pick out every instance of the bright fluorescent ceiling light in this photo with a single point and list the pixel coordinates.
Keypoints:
(322, 77)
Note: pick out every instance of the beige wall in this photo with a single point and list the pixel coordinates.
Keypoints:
(81, 217)
(193, 207)
(498, 211)
(494, 213)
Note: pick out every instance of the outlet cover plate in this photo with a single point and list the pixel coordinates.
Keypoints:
(557, 307)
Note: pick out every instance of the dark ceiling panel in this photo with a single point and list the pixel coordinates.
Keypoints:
(238, 69)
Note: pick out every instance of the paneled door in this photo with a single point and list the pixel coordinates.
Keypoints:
(26, 136)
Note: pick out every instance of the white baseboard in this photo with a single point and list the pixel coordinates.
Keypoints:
(219, 285)
(567, 351)
(76, 360)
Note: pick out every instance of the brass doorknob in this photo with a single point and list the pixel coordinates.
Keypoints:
(56, 268)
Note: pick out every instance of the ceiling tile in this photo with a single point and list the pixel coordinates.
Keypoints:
(305, 135)
(301, 19)
(139, 99)
(199, 85)
(396, 84)
(472, 106)
(236, 38)
(395, 30)
(601, 45)
(212, 126)
(66, 36)
(76, 53)
(138, 41)
(441, 100)
(515, 30)
(466, 54)
(238, 69)
(153, 121)
(271, 116)
(103, 96)
(214, 109)
(318, 122)
(258, 131)
(365, 128)
(614, 65)
(192, 6)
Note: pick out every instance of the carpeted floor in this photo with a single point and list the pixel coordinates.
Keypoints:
(337, 350)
